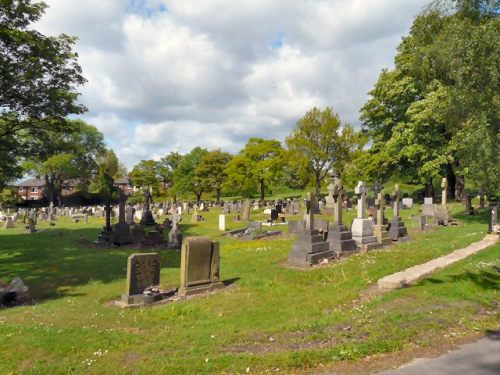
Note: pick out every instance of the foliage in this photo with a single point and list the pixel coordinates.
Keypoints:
(436, 113)
(8, 197)
(109, 161)
(145, 174)
(322, 143)
(60, 157)
(211, 170)
(168, 165)
(186, 178)
(255, 167)
(38, 77)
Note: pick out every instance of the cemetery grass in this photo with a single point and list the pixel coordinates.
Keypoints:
(269, 318)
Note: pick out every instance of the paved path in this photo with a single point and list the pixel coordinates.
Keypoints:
(412, 274)
(479, 358)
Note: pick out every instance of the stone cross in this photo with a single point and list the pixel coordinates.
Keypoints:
(360, 190)
(147, 199)
(338, 194)
(395, 195)
(380, 209)
(121, 212)
(444, 193)
(377, 188)
(311, 207)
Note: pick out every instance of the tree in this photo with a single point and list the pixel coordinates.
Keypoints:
(168, 165)
(447, 78)
(185, 177)
(112, 165)
(145, 174)
(256, 166)
(38, 80)
(60, 157)
(211, 170)
(321, 141)
(8, 197)
(104, 185)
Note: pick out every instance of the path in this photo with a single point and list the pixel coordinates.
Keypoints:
(412, 274)
(479, 358)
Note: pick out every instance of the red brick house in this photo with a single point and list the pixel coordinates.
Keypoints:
(31, 189)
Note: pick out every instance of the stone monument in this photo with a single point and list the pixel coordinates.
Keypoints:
(398, 231)
(362, 227)
(143, 271)
(200, 266)
(310, 247)
(147, 216)
(175, 235)
(443, 216)
(339, 236)
(380, 230)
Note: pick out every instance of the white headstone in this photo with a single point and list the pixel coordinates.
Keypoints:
(222, 222)
(407, 202)
(428, 200)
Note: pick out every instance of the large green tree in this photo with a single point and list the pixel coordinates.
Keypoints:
(146, 174)
(211, 170)
(38, 80)
(256, 166)
(436, 113)
(322, 143)
(60, 157)
(186, 178)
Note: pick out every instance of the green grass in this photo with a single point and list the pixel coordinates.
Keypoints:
(271, 317)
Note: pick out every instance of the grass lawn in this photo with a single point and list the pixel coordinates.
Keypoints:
(271, 319)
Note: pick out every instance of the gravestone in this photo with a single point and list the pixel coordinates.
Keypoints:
(492, 217)
(8, 223)
(222, 222)
(407, 202)
(443, 216)
(329, 199)
(310, 247)
(245, 214)
(129, 215)
(121, 231)
(398, 231)
(339, 236)
(469, 210)
(380, 230)
(147, 216)
(31, 228)
(200, 266)
(362, 227)
(428, 200)
(175, 235)
(143, 271)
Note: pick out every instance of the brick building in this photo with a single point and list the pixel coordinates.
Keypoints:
(31, 189)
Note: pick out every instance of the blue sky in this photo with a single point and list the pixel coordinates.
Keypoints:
(170, 75)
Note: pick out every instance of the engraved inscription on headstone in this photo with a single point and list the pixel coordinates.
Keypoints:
(143, 270)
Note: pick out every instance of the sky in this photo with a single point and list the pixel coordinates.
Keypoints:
(170, 75)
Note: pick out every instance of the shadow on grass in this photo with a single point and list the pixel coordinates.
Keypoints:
(485, 279)
(53, 261)
(481, 217)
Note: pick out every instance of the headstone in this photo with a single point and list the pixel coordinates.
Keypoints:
(147, 216)
(444, 192)
(222, 222)
(398, 231)
(362, 228)
(143, 271)
(492, 217)
(121, 232)
(129, 215)
(380, 230)
(329, 200)
(310, 247)
(428, 200)
(31, 228)
(245, 214)
(200, 266)
(407, 202)
(175, 235)
(8, 223)
(339, 236)
(443, 216)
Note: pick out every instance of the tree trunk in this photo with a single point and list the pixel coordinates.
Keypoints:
(429, 188)
(198, 197)
(262, 190)
(217, 193)
(457, 186)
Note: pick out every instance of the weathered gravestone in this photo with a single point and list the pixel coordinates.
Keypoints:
(492, 217)
(407, 202)
(362, 227)
(245, 212)
(380, 230)
(8, 223)
(222, 222)
(310, 247)
(200, 266)
(143, 271)
(175, 235)
(339, 236)
(398, 231)
(443, 216)
(121, 231)
(147, 215)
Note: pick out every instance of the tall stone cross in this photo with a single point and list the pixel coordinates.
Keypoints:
(147, 199)
(121, 212)
(377, 188)
(360, 190)
(380, 209)
(444, 193)
(311, 207)
(395, 195)
(338, 194)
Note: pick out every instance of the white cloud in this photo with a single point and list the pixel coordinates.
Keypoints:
(172, 75)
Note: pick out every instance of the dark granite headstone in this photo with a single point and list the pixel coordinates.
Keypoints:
(492, 217)
(143, 271)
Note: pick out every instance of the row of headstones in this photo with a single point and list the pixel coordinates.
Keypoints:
(315, 244)
(199, 270)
